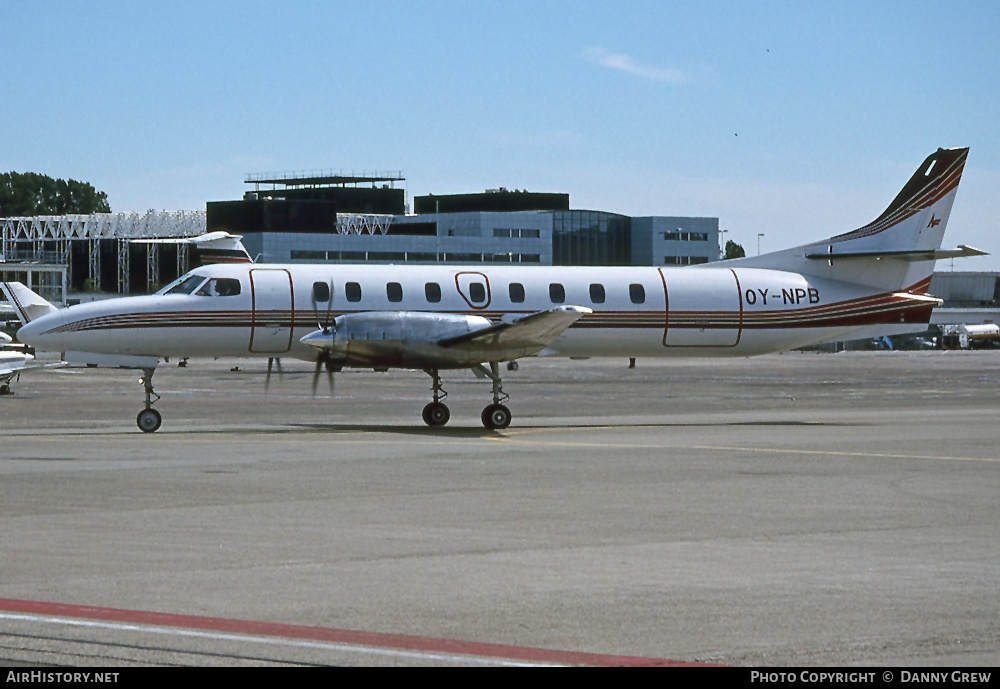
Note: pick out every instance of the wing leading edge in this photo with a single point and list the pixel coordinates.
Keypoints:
(521, 337)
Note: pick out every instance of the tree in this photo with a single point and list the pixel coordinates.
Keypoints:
(733, 250)
(29, 193)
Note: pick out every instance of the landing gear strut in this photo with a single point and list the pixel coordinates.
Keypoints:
(436, 413)
(149, 419)
(495, 416)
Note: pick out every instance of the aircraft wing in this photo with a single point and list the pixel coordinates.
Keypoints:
(522, 337)
(13, 364)
(8, 371)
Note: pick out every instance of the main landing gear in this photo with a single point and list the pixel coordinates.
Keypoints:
(495, 416)
(436, 413)
(149, 419)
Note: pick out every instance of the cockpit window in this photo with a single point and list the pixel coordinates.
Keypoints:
(220, 287)
(187, 285)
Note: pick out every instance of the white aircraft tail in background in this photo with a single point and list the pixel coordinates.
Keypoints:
(27, 305)
(213, 247)
(873, 280)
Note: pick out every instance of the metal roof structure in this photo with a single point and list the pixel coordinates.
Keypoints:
(102, 226)
(123, 227)
(323, 178)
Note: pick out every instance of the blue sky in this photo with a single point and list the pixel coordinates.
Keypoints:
(793, 119)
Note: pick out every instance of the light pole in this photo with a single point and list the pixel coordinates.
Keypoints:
(722, 243)
(759, 235)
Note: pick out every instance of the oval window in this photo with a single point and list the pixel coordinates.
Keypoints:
(477, 292)
(516, 292)
(597, 293)
(637, 293)
(557, 293)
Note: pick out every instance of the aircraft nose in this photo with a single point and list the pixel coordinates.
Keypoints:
(33, 333)
(27, 333)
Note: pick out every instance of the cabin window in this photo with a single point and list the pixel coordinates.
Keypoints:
(597, 293)
(321, 291)
(477, 292)
(432, 291)
(394, 291)
(557, 293)
(516, 290)
(352, 291)
(637, 293)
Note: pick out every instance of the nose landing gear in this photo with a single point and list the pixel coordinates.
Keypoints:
(149, 419)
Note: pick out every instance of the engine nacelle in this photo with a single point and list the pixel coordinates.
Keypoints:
(406, 339)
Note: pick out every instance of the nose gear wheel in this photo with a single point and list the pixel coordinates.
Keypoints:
(149, 419)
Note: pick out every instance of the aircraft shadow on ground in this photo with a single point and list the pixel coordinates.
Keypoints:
(454, 432)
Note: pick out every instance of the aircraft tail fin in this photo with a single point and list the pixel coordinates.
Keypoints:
(897, 250)
(26, 303)
(213, 247)
(221, 247)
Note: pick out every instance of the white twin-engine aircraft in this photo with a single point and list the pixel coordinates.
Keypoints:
(439, 317)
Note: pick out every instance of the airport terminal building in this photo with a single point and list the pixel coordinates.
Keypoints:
(345, 218)
(362, 218)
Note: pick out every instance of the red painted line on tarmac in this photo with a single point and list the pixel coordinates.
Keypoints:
(343, 636)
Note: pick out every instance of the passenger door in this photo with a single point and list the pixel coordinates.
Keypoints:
(272, 319)
(704, 307)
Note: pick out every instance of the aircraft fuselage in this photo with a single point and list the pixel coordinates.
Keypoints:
(264, 310)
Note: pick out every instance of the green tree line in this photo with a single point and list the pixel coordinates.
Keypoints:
(29, 193)
(733, 250)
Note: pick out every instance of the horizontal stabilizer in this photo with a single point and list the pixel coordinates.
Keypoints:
(962, 251)
(522, 337)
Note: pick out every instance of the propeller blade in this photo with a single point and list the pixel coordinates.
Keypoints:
(324, 360)
(329, 307)
(267, 380)
(312, 295)
(325, 326)
(319, 364)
